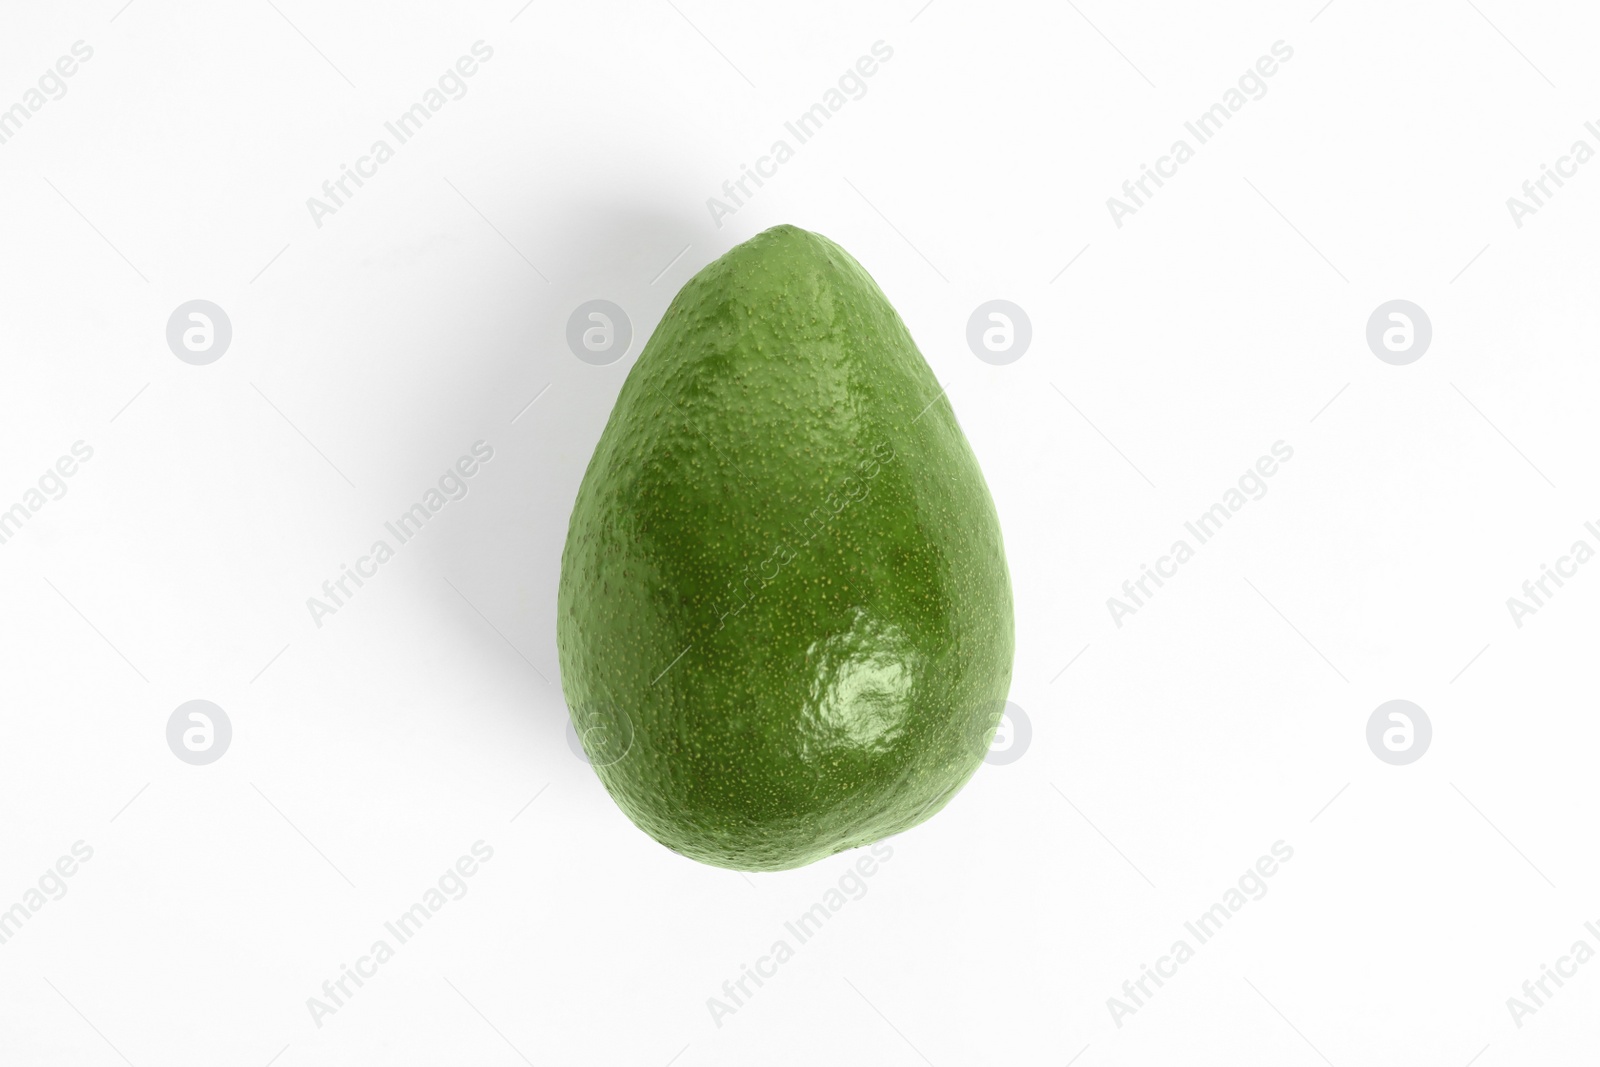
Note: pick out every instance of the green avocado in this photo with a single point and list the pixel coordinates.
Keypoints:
(784, 619)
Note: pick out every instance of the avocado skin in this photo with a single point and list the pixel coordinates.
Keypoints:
(784, 618)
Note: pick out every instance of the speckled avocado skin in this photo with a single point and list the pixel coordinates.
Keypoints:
(785, 622)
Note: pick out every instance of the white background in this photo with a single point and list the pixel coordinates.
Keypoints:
(370, 352)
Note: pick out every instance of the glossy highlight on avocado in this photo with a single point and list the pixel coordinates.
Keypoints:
(785, 623)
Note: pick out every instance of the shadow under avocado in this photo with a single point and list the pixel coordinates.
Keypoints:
(502, 550)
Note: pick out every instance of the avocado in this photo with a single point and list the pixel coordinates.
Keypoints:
(784, 619)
